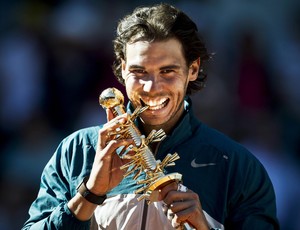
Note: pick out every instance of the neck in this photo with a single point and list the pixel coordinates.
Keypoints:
(148, 128)
(166, 127)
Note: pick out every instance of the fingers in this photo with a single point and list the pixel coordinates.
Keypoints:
(174, 198)
(186, 212)
(109, 114)
(110, 130)
(184, 209)
(114, 144)
(181, 206)
(166, 190)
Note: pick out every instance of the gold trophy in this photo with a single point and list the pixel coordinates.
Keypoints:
(143, 159)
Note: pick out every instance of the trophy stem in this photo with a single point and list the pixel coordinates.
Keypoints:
(143, 160)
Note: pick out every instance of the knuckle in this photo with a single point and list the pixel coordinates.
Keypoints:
(103, 131)
(113, 143)
(195, 196)
(100, 132)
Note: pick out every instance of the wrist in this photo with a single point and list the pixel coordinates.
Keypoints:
(82, 209)
(90, 186)
(89, 195)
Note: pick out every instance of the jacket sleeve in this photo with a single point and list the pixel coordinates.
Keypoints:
(50, 210)
(253, 203)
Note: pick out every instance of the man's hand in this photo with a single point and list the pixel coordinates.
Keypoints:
(106, 173)
(184, 206)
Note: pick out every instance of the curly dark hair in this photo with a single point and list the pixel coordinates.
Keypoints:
(157, 23)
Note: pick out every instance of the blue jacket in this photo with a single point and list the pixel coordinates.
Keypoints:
(234, 189)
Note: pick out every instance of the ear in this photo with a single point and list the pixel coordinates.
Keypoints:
(194, 70)
(123, 67)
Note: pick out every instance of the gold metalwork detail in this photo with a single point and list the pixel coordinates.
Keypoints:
(143, 159)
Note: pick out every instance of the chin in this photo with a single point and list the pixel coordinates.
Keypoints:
(153, 122)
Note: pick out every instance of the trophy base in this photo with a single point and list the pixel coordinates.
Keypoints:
(163, 181)
(153, 189)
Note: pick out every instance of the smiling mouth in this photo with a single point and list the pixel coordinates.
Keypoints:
(155, 104)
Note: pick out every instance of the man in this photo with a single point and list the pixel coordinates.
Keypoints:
(159, 57)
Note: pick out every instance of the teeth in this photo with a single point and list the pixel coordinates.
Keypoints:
(156, 104)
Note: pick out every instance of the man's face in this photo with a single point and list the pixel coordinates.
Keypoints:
(156, 74)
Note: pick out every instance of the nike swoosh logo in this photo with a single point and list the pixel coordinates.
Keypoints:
(195, 165)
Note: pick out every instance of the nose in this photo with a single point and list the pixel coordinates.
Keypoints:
(148, 85)
(151, 84)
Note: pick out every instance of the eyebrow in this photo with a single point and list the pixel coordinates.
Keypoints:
(162, 68)
(170, 67)
(136, 67)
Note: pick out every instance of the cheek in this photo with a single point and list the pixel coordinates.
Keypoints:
(130, 83)
(131, 86)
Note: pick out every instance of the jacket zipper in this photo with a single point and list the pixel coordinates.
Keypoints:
(144, 216)
(145, 209)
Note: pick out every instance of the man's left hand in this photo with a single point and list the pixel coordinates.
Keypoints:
(183, 206)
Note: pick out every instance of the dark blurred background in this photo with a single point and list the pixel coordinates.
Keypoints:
(56, 57)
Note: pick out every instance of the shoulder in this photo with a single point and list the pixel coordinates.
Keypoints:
(240, 161)
(219, 140)
(223, 145)
(241, 167)
(204, 135)
(87, 135)
(208, 141)
(77, 146)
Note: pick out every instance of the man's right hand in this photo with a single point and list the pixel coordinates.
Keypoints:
(106, 173)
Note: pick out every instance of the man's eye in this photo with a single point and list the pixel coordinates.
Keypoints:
(138, 71)
(165, 71)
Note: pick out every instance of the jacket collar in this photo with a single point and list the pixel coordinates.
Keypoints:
(181, 132)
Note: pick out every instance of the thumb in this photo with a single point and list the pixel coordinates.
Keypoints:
(109, 114)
